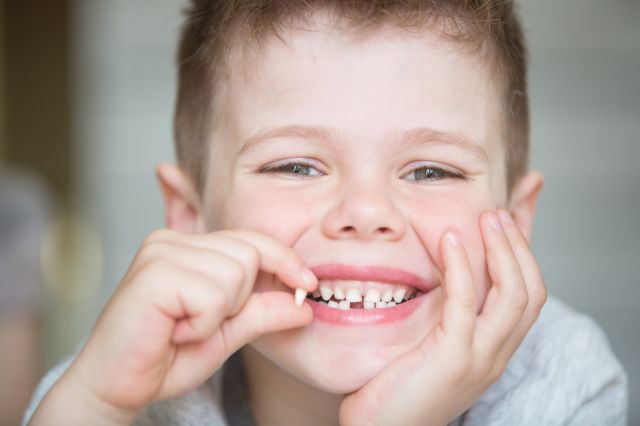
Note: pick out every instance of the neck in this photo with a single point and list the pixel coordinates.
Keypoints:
(277, 398)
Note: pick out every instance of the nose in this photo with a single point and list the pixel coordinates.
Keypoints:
(364, 212)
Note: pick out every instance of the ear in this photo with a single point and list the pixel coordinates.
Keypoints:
(181, 200)
(524, 197)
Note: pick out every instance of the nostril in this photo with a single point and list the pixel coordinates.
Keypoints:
(348, 229)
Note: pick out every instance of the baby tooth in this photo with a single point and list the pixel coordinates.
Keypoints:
(338, 293)
(344, 305)
(381, 304)
(369, 305)
(300, 296)
(332, 304)
(326, 293)
(387, 295)
(373, 295)
(399, 294)
(353, 295)
(391, 304)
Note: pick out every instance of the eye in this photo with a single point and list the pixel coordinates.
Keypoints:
(430, 173)
(295, 168)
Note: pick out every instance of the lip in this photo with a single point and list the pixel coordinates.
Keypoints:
(383, 274)
(367, 317)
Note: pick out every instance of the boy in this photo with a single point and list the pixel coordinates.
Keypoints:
(351, 211)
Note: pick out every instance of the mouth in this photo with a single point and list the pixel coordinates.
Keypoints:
(364, 295)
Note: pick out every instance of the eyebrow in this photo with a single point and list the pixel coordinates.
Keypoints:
(415, 136)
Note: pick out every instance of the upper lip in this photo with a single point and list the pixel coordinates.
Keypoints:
(385, 274)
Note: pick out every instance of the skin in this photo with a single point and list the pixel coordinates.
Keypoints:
(222, 277)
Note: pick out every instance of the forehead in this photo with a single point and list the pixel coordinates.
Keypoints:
(369, 87)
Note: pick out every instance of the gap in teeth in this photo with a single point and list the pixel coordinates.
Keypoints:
(350, 294)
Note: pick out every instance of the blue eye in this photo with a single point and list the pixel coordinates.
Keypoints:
(293, 168)
(424, 174)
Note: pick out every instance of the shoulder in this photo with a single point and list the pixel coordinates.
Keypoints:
(201, 406)
(563, 373)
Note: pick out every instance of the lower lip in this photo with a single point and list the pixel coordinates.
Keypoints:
(355, 317)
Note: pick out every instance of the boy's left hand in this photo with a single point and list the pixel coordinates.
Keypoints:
(462, 356)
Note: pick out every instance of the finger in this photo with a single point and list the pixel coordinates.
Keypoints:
(460, 304)
(533, 279)
(234, 270)
(274, 256)
(264, 313)
(507, 299)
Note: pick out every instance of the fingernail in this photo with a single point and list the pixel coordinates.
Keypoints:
(453, 238)
(300, 296)
(505, 216)
(308, 277)
(494, 222)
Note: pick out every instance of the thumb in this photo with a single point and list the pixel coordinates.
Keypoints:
(265, 313)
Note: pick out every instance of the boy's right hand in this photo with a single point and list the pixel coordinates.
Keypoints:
(183, 307)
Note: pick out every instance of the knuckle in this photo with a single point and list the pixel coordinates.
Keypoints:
(520, 300)
(235, 272)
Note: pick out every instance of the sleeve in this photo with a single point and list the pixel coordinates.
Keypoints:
(565, 374)
(43, 387)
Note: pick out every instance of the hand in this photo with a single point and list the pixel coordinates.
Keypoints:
(466, 352)
(183, 307)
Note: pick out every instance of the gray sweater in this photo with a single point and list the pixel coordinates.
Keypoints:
(564, 373)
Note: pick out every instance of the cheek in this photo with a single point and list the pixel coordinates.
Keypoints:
(459, 213)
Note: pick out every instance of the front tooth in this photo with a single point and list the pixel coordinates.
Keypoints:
(338, 293)
(354, 295)
(326, 293)
(368, 305)
(300, 296)
(391, 304)
(344, 305)
(381, 304)
(399, 294)
(387, 295)
(373, 296)
(333, 304)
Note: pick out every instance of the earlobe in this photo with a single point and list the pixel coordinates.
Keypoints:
(524, 198)
(181, 200)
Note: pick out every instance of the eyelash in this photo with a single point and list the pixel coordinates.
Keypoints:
(297, 165)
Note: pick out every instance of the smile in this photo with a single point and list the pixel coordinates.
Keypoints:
(365, 295)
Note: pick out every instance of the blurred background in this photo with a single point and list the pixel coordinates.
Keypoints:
(86, 97)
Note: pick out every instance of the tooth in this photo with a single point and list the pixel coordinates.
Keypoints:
(387, 295)
(333, 304)
(399, 294)
(373, 295)
(338, 293)
(391, 304)
(344, 305)
(381, 304)
(300, 296)
(354, 295)
(368, 305)
(316, 293)
(326, 293)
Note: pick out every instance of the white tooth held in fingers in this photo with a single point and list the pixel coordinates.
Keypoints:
(381, 304)
(300, 296)
(391, 304)
(353, 295)
(372, 295)
(387, 296)
(326, 293)
(344, 305)
(333, 304)
(399, 294)
(338, 293)
(368, 305)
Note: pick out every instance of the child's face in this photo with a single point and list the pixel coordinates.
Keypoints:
(362, 194)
